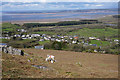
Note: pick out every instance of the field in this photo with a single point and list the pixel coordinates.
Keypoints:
(42, 43)
(95, 32)
(100, 43)
(6, 27)
(68, 65)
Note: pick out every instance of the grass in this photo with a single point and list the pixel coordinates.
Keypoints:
(43, 42)
(95, 32)
(6, 27)
(24, 40)
(23, 43)
(15, 66)
(4, 40)
(44, 32)
(99, 43)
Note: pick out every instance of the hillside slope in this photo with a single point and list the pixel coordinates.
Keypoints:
(68, 65)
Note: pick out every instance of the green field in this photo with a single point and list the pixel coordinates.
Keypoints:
(95, 32)
(44, 32)
(100, 43)
(43, 42)
(6, 27)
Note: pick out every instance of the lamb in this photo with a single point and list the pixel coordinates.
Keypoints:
(50, 58)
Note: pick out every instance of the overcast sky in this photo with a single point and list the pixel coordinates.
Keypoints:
(60, 0)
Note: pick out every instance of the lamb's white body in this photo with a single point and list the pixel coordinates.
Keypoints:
(50, 58)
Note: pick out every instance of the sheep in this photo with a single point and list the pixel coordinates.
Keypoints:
(50, 58)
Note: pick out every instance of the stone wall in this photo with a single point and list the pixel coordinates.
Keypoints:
(11, 50)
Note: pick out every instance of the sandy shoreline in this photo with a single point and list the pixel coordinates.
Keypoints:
(50, 20)
(42, 21)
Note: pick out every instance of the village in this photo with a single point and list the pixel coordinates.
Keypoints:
(80, 40)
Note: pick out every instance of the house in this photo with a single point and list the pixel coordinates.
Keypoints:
(35, 35)
(27, 35)
(58, 40)
(24, 38)
(83, 41)
(43, 35)
(46, 38)
(75, 37)
(49, 37)
(66, 40)
(95, 51)
(6, 37)
(41, 40)
(16, 35)
(71, 38)
(62, 37)
(74, 42)
(116, 40)
(22, 30)
(39, 47)
(52, 39)
(93, 38)
(23, 35)
(65, 36)
(85, 44)
(98, 39)
(94, 44)
(90, 44)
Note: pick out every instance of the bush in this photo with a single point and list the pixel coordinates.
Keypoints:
(48, 45)
(78, 48)
(57, 45)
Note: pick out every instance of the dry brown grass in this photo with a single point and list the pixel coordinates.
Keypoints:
(69, 65)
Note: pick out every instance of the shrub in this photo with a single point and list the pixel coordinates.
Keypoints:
(48, 45)
(57, 45)
(78, 48)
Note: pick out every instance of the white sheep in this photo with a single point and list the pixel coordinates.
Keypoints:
(50, 58)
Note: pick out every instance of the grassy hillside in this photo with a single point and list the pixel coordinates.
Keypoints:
(68, 65)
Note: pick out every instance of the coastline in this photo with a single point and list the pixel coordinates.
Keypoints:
(50, 20)
(42, 21)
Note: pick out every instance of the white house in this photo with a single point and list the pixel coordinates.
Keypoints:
(116, 40)
(39, 47)
(92, 38)
(35, 35)
(58, 40)
(74, 42)
(23, 35)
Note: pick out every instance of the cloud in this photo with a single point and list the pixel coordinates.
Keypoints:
(60, 1)
(16, 6)
(98, 5)
(87, 4)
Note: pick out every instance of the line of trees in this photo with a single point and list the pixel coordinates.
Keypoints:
(64, 23)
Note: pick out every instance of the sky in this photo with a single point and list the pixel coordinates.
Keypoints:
(27, 5)
(60, 0)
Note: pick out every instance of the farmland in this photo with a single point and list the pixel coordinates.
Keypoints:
(68, 65)
(95, 32)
